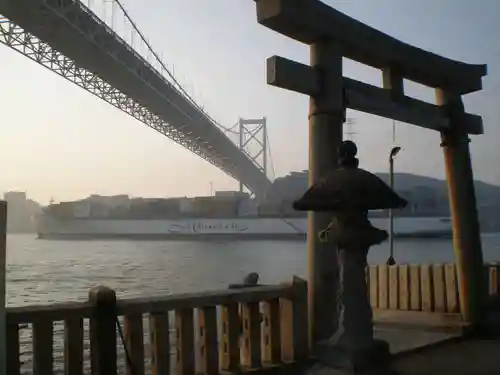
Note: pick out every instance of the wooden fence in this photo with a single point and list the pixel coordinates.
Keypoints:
(218, 331)
(224, 330)
(423, 287)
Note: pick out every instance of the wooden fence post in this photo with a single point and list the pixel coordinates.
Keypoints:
(103, 331)
(294, 329)
(3, 276)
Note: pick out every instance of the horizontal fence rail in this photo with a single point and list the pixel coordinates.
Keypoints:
(202, 333)
(421, 287)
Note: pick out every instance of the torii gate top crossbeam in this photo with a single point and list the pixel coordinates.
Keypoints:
(308, 21)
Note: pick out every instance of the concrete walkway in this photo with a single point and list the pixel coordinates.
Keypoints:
(467, 357)
(432, 350)
(402, 340)
(437, 348)
(409, 330)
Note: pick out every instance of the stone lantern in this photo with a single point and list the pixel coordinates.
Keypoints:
(349, 193)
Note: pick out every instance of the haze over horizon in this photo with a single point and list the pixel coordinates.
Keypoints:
(60, 141)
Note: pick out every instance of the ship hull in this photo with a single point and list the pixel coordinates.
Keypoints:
(175, 237)
(240, 229)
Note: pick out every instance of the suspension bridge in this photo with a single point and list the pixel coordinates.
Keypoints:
(107, 55)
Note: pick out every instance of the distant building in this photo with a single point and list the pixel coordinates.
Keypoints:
(15, 197)
(21, 212)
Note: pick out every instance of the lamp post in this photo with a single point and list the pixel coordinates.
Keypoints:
(394, 151)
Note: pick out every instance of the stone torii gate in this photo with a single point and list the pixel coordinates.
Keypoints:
(331, 35)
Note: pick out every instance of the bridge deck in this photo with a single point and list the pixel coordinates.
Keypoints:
(70, 28)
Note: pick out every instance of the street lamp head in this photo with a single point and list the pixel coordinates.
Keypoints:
(394, 151)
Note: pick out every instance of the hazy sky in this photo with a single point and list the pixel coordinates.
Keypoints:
(58, 140)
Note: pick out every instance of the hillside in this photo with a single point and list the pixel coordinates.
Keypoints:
(427, 195)
(294, 184)
(485, 193)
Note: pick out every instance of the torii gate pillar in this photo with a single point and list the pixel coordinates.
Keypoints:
(326, 116)
(463, 207)
(332, 35)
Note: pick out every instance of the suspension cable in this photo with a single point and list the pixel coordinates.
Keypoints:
(270, 155)
(157, 58)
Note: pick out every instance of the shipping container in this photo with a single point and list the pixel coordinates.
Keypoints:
(185, 205)
(99, 210)
(248, 207)
(82, 209)
(63, 210)
(231, 194)
(269, 209)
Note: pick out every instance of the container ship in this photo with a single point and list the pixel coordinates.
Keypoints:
(224, 216)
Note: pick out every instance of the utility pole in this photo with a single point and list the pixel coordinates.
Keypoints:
(349, 128)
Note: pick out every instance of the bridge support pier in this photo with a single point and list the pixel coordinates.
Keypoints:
(326, 116)
(462, 200)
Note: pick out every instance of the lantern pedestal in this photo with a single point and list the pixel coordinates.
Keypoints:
(350, 192)
(353, 349)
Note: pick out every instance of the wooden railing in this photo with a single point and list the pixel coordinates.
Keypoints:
(422, 287)
(216, 331)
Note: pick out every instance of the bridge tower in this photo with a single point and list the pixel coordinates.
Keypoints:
(253, 142)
